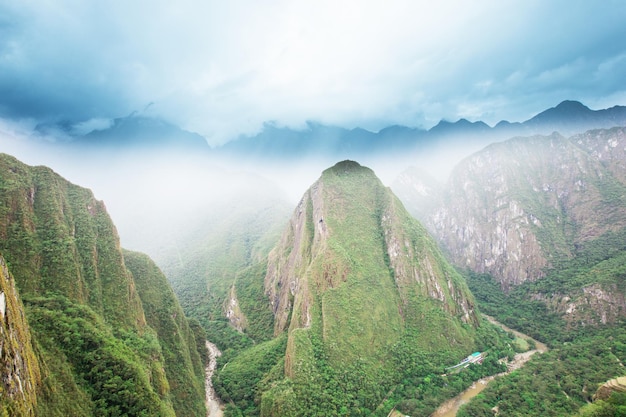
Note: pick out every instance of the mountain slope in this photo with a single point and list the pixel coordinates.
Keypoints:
(94, 348)
(182, 362)
(355, 284)
(537, 207)
(58, 238)
(231, 234)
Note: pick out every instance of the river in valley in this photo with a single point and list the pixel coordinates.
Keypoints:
(213, 404)
(450, 407)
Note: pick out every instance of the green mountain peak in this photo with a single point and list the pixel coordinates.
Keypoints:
(353, 277)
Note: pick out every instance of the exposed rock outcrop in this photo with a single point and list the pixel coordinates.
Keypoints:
(513, 208)
(609, 387)
(591, 305)
(353, 265)
(19, 369)
(233, 313)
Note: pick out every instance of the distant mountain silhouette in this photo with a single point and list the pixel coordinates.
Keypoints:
(571, 117)
(138, 131)
(462, 126)
(568, 118)
(141, 131)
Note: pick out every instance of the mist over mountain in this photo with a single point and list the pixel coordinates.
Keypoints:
(534, 224)
(520, 209)
(141, 131)
(312, 209)
(144, 131)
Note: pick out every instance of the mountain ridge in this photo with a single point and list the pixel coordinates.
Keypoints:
(139, 131)
(568, 117)
(533, 208)
(94, 349)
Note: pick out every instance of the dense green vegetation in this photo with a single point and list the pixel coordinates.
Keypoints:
(252, 299)
(20, 370)
(423, 386)
(253, 382)
(234, 235)
(614, 406)
(362, 334)
(582, 357)
(183, 366)
(242, 380)
(559, 382)
(599, 262)
(56, 237)
(105, 343)
(113, 374)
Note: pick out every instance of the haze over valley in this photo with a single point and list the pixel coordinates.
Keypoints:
(312, 209)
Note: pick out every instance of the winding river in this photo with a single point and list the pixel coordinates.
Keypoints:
(213, 403)
(450, 407)
(447, 409)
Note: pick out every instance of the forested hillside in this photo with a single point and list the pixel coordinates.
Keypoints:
(98, 348)
(355, 311)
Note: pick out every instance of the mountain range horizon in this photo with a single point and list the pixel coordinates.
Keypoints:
(139, 130)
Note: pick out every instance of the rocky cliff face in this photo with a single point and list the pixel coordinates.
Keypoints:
(513, 208)
(529, 207)
(19, 370)
(593, 304)
(355, 267)
(608, 388)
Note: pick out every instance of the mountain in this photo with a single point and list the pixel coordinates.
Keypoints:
(99, 346)
(141, 132)
(135, 131)
(460, 127)
(537, 225)
(527, 207)
(354, 297)
(315, 139)
(182, 362)
(229, 235)
(569, 117)
(138, 132)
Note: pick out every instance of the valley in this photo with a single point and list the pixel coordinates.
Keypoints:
(452, 406)
(354, 301)
(312, 208)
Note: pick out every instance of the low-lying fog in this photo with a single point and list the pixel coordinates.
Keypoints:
(158, 197)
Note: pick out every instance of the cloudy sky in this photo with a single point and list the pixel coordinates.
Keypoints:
(222, 68)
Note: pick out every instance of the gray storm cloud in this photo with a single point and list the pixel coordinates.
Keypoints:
(225, 68)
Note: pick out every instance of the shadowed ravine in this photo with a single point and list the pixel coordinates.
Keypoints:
(213, 404)
(451, 407)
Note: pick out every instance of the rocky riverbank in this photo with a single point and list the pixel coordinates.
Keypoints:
(213, 403)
